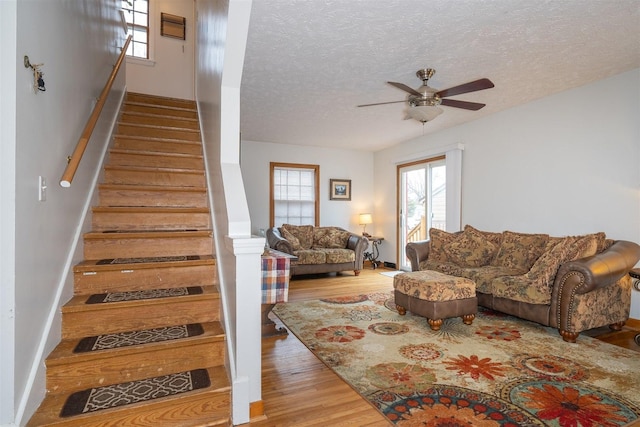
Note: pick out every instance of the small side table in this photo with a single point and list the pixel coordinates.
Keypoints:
(635, 277)
(375, 252)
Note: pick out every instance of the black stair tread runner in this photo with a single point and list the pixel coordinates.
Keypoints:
(142, 262)
(143, 294)
(131, 338)
(148, 259)
(112, 396)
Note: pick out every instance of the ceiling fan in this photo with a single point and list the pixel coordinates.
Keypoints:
(424, 101)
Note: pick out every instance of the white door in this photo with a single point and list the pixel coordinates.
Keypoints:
(422, 202)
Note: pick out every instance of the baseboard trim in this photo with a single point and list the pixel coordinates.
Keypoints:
(256, 410)
(633, 323)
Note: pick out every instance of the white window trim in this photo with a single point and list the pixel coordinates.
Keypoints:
(151, 37)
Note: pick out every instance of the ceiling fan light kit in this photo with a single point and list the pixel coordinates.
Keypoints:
(424, 113)
(424, 102)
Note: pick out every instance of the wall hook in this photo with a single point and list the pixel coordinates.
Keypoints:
(38, 81)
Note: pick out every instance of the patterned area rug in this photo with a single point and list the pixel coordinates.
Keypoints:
(96, 399)
(499, 371)
(147, 336)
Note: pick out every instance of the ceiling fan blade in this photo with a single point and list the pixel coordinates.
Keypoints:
(405, 88)
(380, 103)
(473, 86)
(462, 104)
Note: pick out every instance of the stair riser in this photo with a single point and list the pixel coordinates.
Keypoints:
(159, 161)
(135, 317)
(154, 100)
(122, 197)
(157, 132)
(123, 247)
(159, 121)
(114, 369)
(186, 147)
(86, 283)
(137, 177)
(159, 110)
(103, 221)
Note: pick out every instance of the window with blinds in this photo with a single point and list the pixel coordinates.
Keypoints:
(294, 194)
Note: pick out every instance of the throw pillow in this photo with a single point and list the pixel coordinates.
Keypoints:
(330, 237)
(520, 250)
(437, 241)
(304, 233)
(495, 238)
(588, 245)
(295, 242)
(470, 249)
(543, 272)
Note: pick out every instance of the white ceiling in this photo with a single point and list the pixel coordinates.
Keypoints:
(310, 62)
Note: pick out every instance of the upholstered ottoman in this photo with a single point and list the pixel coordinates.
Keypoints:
(436, 296)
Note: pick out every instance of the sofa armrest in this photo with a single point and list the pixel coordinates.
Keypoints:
(277, 242)
(359, 244)
(586, 274)
(417, 252)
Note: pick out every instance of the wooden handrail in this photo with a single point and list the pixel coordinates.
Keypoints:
(74, 159)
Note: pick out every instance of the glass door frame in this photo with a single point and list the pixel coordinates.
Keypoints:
(400, 201)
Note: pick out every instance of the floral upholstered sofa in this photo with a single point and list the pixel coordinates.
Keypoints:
(572, 283)
(319, 249)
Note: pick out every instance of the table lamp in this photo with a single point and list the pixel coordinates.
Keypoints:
(365, 218)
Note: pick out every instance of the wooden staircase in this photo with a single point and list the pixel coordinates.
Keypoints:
(149, 255)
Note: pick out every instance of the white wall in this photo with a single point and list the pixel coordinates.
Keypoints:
(565, 164)
(8, 30)
(170, 68)
(78, 44)
(334, 164)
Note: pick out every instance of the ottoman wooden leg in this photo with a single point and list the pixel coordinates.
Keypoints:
(401, 310)
(468, 318)
(435, 324)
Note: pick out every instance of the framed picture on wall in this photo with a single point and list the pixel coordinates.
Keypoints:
(339, 189)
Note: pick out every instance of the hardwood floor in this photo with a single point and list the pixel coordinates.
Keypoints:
(299, 390)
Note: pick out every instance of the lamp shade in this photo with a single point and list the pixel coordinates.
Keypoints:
(365, 218)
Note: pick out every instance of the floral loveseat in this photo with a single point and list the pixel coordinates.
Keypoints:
(319, 249)
(572, 283)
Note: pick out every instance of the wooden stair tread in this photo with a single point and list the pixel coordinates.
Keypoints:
(78, 303)
(134, 187)
(154, 169)
(63, 353)
(149, 209)
(156, 153)
(145, 126)
(91, 265)
(191, 408)
(160, 100)
(156, 115)
(157, 139)
(148, 234)
(168, 108)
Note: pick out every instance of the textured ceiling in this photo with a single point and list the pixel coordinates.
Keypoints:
(310, 62)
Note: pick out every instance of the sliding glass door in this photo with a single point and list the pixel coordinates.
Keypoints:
(422, 202)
